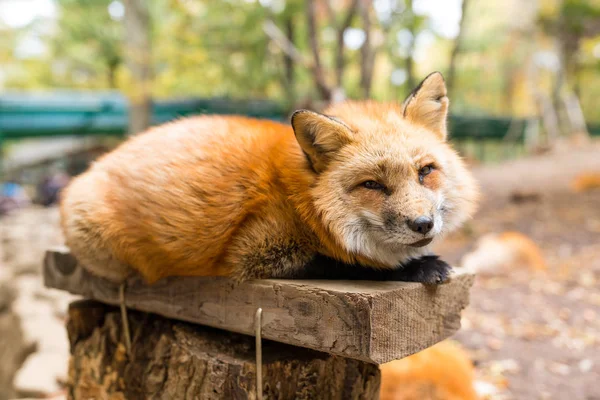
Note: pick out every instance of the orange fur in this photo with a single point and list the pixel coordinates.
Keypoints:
(586, 182)
(504, 251)
(236, 196)
(441, 372)
(527, 251)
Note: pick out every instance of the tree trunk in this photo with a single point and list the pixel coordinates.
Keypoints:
(409, 62)
(139, 61)
(510, 71)
(560, 86)
(288, 62)
(367, 53)
(409, 67)
(340, 62)
(575, 115)
(317, 68)
(450, 81)
(549, 118)
(175, 360)
(112, 74)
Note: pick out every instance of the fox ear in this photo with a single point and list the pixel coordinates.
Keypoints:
(319, 136)
(427, 105)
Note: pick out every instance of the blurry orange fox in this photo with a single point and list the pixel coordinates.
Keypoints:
(497, 253)
(585, 182)
(441, 372)
(368, 184)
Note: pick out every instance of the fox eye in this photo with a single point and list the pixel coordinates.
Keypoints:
(424, 171)
(373, 185)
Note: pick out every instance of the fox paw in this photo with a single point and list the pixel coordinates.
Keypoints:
(429, 270)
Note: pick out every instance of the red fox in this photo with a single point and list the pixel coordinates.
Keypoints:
(586, 182)
(496, 253)
(367, 184)
(441, 372)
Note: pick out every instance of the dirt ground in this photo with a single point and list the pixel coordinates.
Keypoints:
(537, 335)
(532, 336)
(34, 350)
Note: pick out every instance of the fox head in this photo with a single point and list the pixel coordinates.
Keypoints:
(387, 182)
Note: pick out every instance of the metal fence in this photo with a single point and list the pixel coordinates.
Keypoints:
(105, 113)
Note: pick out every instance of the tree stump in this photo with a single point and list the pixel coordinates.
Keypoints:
(176, 360)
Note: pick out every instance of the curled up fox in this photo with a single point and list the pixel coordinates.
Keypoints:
(356, 192)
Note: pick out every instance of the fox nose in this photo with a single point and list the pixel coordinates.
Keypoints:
(421, 225)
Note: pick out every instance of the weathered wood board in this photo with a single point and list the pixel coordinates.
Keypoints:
(365, 320)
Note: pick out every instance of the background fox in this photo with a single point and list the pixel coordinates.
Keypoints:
(585, 182)
(441, 372)
(367, 184)
(497, 253)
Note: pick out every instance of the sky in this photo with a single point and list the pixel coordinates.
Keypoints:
(444, 14)
(19, 13)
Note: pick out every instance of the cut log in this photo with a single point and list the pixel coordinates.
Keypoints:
(13, 347)
(176, 360)
(366, 320)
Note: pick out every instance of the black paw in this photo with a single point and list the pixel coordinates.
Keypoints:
(429, 270)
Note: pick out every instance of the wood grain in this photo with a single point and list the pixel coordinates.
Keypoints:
(365, 320)
(175, 360)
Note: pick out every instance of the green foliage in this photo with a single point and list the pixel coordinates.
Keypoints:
(216, 49)
(219, 48)
(88, 44)
(579, 18)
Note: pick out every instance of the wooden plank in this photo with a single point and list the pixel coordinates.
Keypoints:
(366, 320)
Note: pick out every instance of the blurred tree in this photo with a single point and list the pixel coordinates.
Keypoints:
(400, 27)
(216, 48)
(289, 80)
(299, 51)
(321, 48)
(341, 27)
(208, 48)
(492, 69)
(139, 63)
(87, 46)
(7, 45)
(457, 47)
(282, 27)
(328, 91)
(412, 25)
(368, 52)
(323, 87)
(569, 22)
